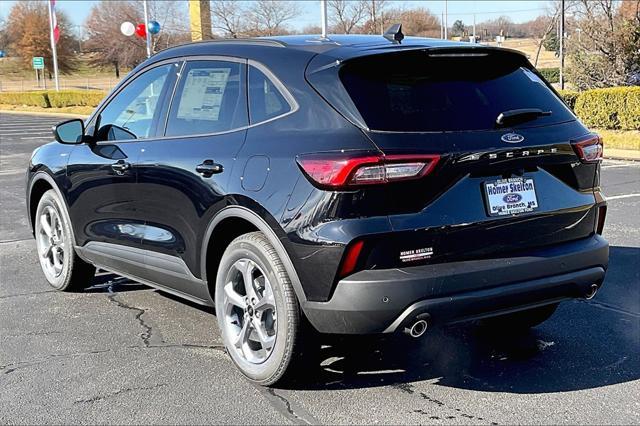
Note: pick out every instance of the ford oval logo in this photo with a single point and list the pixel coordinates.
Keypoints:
(512, 138)
(512, 198)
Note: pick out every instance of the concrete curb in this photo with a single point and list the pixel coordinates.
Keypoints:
(607, 157)
(42, 113)
(621, 154)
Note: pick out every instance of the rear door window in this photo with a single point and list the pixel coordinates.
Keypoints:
(419, 92)
(210, 98)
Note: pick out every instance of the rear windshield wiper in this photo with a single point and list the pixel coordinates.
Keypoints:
(513, 116)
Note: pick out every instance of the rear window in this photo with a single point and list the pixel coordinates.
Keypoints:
(421, 92)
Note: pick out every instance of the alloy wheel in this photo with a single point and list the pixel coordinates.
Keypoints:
(249, 312)
(51, 242)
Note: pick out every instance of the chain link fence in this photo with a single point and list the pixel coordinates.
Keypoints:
(71, 83)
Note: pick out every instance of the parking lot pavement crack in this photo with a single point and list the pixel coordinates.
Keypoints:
(10, 368)
(219, 347)
(98, 398)
(8, 296)
(608, 307)
(16, 240)
(453, 412)
(286, 408)
(148, 330)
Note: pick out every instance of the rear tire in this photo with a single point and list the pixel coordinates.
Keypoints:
(257, 309)
(61, 266)
(522, 320)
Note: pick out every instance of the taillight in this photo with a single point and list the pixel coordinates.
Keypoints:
(347, 169)
(589, 149)
(602, 214)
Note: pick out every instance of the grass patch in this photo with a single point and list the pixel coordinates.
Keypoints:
(620, 139)
(78, 110)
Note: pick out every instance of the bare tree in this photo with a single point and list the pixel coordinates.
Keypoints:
(4, 34)
(228, 16)
(502, 25)
(268, 17)
(345, 16)
(171, 15)
(311, 29)
(417, 22)
(104, 39)
(378, 16)
(111, 48)
(550, 23)
(607, 53)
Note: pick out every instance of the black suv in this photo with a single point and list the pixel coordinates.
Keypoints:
(344, 185)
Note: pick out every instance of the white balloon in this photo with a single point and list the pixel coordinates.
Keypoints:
(127, 28)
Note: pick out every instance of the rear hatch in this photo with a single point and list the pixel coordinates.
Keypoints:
(501, 186)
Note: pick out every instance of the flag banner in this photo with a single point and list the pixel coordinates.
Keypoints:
(54, 21)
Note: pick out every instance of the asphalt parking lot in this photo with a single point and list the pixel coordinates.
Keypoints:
(121, 352)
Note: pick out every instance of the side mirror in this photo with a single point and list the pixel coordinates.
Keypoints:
(69, 132)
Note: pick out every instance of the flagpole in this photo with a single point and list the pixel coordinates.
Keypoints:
(53, 44)
(323, 17)
(146, 26)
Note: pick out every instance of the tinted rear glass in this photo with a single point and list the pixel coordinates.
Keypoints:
(415, 91)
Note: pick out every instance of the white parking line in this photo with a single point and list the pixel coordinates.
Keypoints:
(14, 122)
(14, 126)
(10, 172)
(620, 166)
(616, 164)
(618, 197)
(25, 133)
(14, 131)
(37, 137)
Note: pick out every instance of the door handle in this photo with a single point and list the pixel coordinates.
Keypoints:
(209, 168)
(120, 167)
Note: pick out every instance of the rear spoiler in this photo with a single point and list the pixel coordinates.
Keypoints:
(334, 58)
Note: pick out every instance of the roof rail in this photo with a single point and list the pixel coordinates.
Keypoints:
(255, 41)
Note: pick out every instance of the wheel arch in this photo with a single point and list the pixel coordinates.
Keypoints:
(241, 220)
(39, 184)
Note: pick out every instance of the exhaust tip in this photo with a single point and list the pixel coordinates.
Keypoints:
(417, 329)
(592, 292)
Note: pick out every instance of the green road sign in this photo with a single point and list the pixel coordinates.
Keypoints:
(38, 63)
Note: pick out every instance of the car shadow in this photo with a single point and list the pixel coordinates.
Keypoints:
(585, 345)
(107, 282)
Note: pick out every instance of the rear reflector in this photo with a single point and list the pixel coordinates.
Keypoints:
(346, 169)
(350, 258)
(589, 149)
(602, 214)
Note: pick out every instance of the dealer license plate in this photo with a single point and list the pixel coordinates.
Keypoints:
(510, 196)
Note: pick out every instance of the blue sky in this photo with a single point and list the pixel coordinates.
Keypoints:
(517, 10)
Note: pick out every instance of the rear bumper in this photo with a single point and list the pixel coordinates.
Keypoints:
(384, 301)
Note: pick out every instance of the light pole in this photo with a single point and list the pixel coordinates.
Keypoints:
(53, 46)
(446, 20)
(146, 26)
(562, 44)
(323, 17)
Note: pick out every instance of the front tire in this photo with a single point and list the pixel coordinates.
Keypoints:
(257, 309)
(61, 266)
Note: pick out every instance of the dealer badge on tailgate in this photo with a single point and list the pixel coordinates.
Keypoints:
(510, 196)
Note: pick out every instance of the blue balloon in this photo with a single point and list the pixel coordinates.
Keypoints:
(2, 54)
(154, 27)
